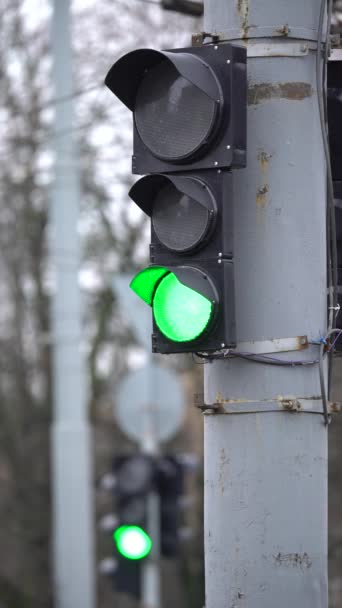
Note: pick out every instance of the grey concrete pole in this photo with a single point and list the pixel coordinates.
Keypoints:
(265, 466)
(150, 572)
(73, 529)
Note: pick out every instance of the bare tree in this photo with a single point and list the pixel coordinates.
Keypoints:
(112, 234)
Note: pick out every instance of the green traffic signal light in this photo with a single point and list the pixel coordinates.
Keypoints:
(132, 542)
(181, 313)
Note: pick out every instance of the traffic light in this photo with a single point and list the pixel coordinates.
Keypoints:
(170, 484)
(189, 106)
(335, 119)
(335, 143)
(187, 7)
(189, 131)
(134, 477)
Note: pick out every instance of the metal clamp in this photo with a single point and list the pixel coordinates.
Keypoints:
(276, 405)
(275, 345)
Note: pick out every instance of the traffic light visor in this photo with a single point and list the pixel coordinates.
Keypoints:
(132, 542)
(176, 100)
(183, 300)
(182, 209)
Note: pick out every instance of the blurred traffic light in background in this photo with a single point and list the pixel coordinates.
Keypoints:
(170, 484)
(134, 477)
(132, 542)
(189, 123)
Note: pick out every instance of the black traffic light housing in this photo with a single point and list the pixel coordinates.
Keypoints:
(334, 77)
(189, 110)
(335, 122)
(170, 484)
(201, 124)
(135, 476)
(189, 215)
(192, 230)
(187, 7)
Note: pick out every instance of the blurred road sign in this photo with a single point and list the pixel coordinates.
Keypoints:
(150, 401)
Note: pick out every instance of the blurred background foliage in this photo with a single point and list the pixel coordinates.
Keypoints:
(114, 237)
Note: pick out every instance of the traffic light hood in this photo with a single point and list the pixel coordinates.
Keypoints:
(125, 76)
(183, 298)
(146, 281)
(145, 190)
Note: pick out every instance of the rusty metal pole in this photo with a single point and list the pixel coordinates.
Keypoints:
(265, 465)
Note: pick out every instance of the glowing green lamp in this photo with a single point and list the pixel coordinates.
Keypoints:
(181, 313)
(132, 542)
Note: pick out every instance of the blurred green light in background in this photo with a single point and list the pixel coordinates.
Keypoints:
(132, 542)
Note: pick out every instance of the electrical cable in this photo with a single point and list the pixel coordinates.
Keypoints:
(267, 360)
(54, 101)
(254, 358)
(327, 417)
(339, 332)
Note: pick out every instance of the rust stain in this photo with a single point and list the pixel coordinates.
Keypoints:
(219, 398)
(266, 91)
(301, 342)
(243, 10)
(264, 159)
(295, 560)
(223, 461)
(261, 198)
(336, 407)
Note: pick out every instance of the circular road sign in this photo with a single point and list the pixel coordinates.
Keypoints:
(151, 395)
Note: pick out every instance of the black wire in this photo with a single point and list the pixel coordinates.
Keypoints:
(57, 100)
(263, 359)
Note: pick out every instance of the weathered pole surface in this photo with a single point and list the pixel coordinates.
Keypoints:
(73, 524)
(266, 466)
